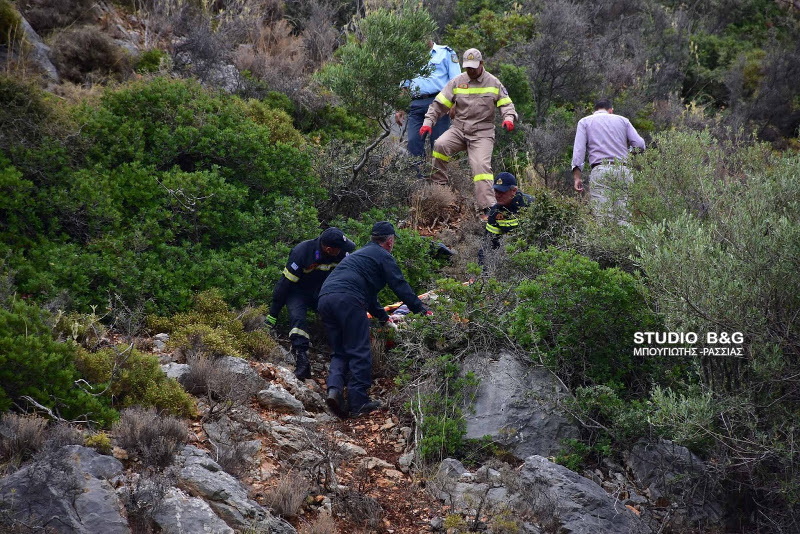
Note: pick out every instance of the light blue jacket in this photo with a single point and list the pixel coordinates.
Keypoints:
(444, 61)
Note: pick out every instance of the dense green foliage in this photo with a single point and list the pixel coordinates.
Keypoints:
(168, 189)
(210, 328)
(125, 377)
(34, 364)
(581, 318)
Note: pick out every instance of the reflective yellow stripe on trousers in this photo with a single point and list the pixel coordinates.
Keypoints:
(479, 177)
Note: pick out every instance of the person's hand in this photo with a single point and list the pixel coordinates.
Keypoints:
(391, 323)
(271, 322)
(508, 124)
(399, 117)
(576, 177)
(425, 130)
(428, 312)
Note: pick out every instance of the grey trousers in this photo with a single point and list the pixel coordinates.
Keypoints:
(609, 186)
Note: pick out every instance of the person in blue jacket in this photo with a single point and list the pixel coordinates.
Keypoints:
(309, 265)
(346, 296)
(423, 89)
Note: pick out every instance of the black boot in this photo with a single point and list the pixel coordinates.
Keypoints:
(369, 406)
(336, 403)
(302, 369)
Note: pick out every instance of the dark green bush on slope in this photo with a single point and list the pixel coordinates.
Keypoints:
(34, 364)
(166, 189)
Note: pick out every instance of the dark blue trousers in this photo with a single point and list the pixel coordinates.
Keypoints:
(298, 304)
(416, 114)
(345, 319)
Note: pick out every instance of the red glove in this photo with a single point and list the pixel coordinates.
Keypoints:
(425, 130)
(428, 312)
(508, 125)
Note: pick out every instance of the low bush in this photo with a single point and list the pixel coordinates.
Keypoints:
(151, 61)
(33, 364)
(581, 319)
(99, 441)
(286, 498)
(550, 220)
(124, 377)
(87, 55)
(10, 23)
(21, 436)
(212, 329)
(152, 438)
(47, 15)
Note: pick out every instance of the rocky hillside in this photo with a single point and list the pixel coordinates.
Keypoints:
(159, 160)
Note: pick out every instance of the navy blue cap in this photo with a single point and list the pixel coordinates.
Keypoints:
(383, 228)
(333, 237)
(504, 181)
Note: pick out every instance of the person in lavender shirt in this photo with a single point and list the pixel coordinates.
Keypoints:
(609, 138)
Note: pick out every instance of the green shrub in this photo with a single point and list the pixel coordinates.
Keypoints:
(99, 441)
(34, 364)
(170, 189)
(581, 318)
(10, 26)
(212, 329)
(490, 31)
(151, 61)
(551, 219)
(126, 378)
(277, 121)
(443, 425)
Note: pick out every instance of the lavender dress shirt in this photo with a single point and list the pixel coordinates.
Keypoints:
(608, 137)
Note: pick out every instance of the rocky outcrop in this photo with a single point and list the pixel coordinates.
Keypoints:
(516, 405)
(67, 491)
(575, 503)
(201, 476)
(275, 397)
(181, 514)
(675, 476)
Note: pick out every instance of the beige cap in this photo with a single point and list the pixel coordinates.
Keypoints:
(472, 58)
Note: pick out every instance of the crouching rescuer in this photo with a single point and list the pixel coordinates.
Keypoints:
(346, 297)
(308, 267)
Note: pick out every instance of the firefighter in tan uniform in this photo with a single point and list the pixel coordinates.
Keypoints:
(476, 94)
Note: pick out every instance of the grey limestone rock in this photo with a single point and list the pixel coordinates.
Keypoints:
(67, 492)
(277, 398)
(178, 371)
(576, 503)
(247, 376)
(182, 514)
(201, 476)
(516, 405)
(673, 472)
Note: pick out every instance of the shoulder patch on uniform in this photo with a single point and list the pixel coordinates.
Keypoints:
(294, 266)
(463, 86)
(499, 217)
(454, 57)
(504, 90)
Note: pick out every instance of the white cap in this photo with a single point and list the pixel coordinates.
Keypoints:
(472, 58)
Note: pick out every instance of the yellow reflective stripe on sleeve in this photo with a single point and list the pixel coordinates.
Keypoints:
(476, 91)
(298, 332)
(439, 155)
(503, 101)
(493, 229)
(443, 100)
(291, 277)
(479, 177)
(508, 223)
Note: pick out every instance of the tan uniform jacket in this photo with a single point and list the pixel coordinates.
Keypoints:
(477, 99)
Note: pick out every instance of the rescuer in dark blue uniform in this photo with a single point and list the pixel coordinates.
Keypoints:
(503, 215)
(309, 265)
(346, 296)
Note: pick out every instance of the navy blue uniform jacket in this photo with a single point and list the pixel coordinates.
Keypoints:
(364, 273)
(305, 271)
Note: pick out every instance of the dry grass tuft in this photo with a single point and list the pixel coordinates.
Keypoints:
(154, 439)
(21, 436)
(87, 55)
(433, 204)
(288, 496)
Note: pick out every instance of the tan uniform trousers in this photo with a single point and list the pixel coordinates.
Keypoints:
(479, 152)
(608, 192)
